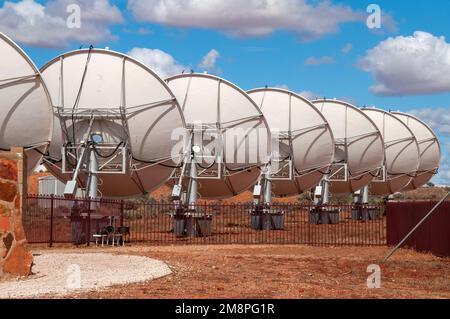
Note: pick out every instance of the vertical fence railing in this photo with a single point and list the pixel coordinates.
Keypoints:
(51, 219)
(52, 199)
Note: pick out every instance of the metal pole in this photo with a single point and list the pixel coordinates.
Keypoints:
(93, 179)
(365, 195)
(417, 226)
(93, 190)
(71, 186)
(267, 190)
(177, 192)
(52, 198)
(192, 196)
(88, 235)
(122, 211)
(325, 191)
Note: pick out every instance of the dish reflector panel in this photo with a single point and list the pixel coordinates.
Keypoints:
(430, 150)
(131, 106)
(359, 145)
(231, 130)
(401, 151)
(25, 109)
(304, 138)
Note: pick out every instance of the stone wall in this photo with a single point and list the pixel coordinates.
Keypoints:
(15, 258)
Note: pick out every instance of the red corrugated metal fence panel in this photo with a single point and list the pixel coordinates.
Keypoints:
(433, 236)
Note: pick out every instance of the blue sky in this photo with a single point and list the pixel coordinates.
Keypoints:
(322, 53)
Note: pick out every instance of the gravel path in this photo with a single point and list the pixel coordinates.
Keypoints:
(64, 273)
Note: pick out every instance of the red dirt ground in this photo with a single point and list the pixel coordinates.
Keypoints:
(281, 272)
(236, 271)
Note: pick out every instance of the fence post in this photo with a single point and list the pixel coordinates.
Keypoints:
(52, 199)
(122, 209)
(88, 236)
(308, 220)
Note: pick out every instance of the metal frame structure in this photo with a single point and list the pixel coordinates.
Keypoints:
(84, 155)
(341, 172)
(215, 169)
(282, 168)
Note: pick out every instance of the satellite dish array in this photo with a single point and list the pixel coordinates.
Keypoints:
(102, 121)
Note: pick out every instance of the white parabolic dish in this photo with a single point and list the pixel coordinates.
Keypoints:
(304, 137)
(115, 85)
(358, 142)
(26, 109)
(430, 150)
(401, 149)
(218, 110)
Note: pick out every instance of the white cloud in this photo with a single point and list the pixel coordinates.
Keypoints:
(443, 177)
(437, 118)
(347, 48)
(418, 64)
(314, 61)
(282, 86)
(159, 61)
(35, 24)
(209, 62)
(388, 22)
(248, 18)
(144, 31)
(348, 99)
(309, 95)
(306, 94)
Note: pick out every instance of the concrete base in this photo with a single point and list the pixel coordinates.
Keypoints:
(192, 225)
(323, 216)
(267, 220)
(366, 214)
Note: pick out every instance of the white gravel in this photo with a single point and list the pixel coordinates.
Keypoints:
(63, 273)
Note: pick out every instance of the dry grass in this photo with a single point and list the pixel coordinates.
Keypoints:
(431, 193)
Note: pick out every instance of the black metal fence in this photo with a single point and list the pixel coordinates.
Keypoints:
(51, 220)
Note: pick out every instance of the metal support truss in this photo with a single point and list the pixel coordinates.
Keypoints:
(338, 173)
(15, 80)
(116, 164)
